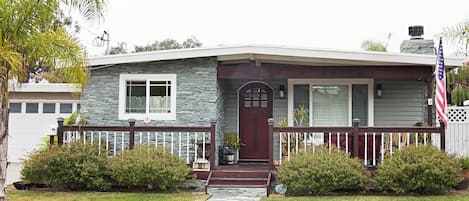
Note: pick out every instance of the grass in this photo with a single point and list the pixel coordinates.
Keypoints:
(373, 198)
(99, 196)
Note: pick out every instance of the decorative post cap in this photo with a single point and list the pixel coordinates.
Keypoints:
(213, 121)
(60, 119)
(356, 121)
(132, 120)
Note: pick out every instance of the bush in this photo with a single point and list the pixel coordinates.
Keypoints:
(321, 172)
(75, 166)
(464, 163)
(423, 170)
(149, 167)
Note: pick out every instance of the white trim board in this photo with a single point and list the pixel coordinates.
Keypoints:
(279, 53)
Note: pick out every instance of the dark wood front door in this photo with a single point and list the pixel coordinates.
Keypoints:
(255, 107)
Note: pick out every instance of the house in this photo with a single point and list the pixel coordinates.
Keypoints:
(241, 87)
(34, 109)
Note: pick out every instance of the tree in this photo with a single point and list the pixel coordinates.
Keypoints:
(376, 46)
(121, 48)
(458, 85)
(35, 43)
(459, 34)
(167, 44)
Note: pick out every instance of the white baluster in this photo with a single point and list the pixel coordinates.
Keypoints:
(172, 142)
(399, 140)
(280, 148)
(141, 138)
(92, 137)
(338, 140)
(187, 147)
(416, 139)
(84, 137)
(148, 139)
(346, 142)
(180, 144)
(390, 144)
(408, 139)
(382, 147)
(99, 142)
(203, 145)
(164, 141)
(314, 138)
(115, 143)
(195, 147)
(156, 140)
(304, 140)
(107, 143)
(374, 149)
(330, 142)
(122, 142)
(365, 161)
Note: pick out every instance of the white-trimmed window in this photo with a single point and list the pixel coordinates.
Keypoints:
(330, 102)
(147, 96)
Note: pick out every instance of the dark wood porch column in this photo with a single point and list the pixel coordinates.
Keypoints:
(356, 135)
(60, 131)
(270, 142)
(213, 125)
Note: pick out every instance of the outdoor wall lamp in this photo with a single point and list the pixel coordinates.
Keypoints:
(379, 90)
(281, 91)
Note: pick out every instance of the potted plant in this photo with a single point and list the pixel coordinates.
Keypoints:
(230, 147)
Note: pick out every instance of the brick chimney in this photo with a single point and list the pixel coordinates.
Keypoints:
(416, 44)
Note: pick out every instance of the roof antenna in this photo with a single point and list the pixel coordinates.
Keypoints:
(100, 40)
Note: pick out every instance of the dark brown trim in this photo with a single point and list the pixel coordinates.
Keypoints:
(278, 71)
(213, 125)
(429, 82)
(60, 131)
(131, 133)
(270, 123)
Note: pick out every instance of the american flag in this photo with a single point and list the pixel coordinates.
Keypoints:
(440, 95)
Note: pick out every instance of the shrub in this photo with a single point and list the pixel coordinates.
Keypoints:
(321, 172)
(464, 163)
(74, 166)
(149, 167)
(423, 170)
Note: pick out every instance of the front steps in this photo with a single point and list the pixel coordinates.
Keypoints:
(244, 183)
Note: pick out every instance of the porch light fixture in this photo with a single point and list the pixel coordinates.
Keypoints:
(379, 90)
(281, 91)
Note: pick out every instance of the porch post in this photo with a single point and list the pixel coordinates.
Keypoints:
(442, 136)
(356, 123)
(270, 142)
(51, 140)
(60, 131)
(213, 125)
(131, 133)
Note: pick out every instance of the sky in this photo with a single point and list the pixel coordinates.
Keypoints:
(325, 24)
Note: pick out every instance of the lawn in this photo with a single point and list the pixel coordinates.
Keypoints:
(372, 198)
(98, 196)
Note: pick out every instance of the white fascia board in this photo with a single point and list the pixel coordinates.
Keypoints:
(249, 50)
(45, 87)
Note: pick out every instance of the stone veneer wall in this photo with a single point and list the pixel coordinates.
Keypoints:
(418, 46)
(196, 98)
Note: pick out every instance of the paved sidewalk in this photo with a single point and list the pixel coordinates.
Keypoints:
(230, 198)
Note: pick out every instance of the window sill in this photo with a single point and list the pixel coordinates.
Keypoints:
(168, 116)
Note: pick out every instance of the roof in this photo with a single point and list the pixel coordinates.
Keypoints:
(44, 87)
(295, 55)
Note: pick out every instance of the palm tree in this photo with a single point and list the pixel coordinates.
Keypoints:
(376, 46)
(459, 34)
(33, 39)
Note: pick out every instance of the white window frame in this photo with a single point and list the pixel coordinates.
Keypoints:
(349, 82)
(123, 78)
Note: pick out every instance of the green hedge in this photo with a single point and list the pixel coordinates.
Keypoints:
(75, 166)
(422, 169)
(149, 167)
(321, 172)
(79, 166)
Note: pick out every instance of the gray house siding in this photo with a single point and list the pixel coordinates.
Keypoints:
(197, 91)
(403, 103)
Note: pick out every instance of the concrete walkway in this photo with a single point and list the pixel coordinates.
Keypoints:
(230, 198)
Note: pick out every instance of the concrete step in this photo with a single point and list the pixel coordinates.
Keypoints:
(227, 191)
